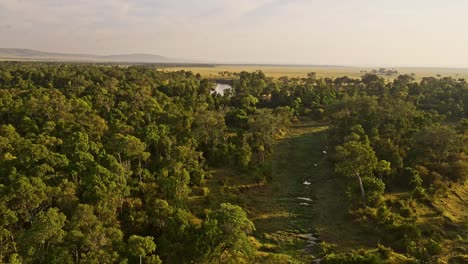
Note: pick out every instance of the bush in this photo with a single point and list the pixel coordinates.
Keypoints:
(324, 248)
(374, 189)
(200, 191)
(406, 211)
(460, 259)
(420, 193)
(433, 248)
(409, 178)
(353, 258)
(385, 252)
(415, 180)
(459, 169)
(423, 250)
(262, 173)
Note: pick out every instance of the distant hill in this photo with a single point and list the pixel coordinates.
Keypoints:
(35, 55)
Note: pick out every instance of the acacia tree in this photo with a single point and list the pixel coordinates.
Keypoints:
(356, 159)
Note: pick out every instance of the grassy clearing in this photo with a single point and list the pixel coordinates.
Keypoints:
(330, 72)
(452, 207)
(302, 157)
(274, 207)
(280, 218)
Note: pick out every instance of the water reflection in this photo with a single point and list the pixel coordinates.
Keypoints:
(221, 87)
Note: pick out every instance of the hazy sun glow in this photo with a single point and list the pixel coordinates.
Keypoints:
(338, 32)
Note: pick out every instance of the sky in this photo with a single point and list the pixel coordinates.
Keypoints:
(429, 33)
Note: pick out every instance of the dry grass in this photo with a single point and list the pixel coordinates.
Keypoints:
(330, 72)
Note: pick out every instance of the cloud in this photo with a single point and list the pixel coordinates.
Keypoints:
(315, 31)
(119, 14)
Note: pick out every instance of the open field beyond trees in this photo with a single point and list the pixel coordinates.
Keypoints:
(322, 71)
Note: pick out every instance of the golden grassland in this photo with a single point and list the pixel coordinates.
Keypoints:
(322, 71)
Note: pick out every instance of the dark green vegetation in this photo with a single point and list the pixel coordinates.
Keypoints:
(106, 164)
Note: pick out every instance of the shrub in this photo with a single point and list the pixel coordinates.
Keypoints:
(420, 193)
(353, 258)
(385, 252)
(433, 248)
(374, 189)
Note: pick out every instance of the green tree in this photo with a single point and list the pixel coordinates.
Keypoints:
(356, 159)
(46, 232)
(225, 234)
(435, 144)
(141, 246)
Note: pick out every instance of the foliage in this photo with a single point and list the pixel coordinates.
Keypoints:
(99, 162)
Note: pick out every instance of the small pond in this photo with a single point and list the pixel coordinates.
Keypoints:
(221, 87)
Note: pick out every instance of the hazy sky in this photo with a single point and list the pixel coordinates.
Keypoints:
(339, 32)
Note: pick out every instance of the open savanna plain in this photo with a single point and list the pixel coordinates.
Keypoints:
(213, 71)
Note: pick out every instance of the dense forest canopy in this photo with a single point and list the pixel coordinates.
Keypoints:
(98, 163)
